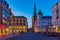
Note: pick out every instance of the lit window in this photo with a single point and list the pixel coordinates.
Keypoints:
(24, 30)
(17, 26)
(24, 27)
(17, 31)
(3, 20)
(10, 27)
(3, 15)
(20, 30)
(20, 26)
(7, 29)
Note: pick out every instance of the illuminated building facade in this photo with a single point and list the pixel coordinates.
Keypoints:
(39, 21)
(18, 24)
(10, 23)
(56, 16)
(5, 12)
(34, 17)
(42, 22)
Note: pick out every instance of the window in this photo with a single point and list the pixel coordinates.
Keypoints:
(24, 27)
(17, 23)
(23, 21)
(34, 18)
(10, 20)
(9, 23)
(20, 20)
(13, 20)
(24, 24)
(57, 17)
(3, 15)
(57, 11)
(3, 21)
(3, 12)
(13, 24)
(21, 24)
(17, 20)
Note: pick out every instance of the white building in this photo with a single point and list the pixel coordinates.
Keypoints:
(42, 21)
(56, 16)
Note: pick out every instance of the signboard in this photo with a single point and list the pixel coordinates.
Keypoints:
(1, 26)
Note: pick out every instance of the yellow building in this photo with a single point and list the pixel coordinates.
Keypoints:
(18, 24)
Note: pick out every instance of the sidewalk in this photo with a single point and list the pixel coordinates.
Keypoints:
(7, 36)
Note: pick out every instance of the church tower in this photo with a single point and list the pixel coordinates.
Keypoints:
(34, 17)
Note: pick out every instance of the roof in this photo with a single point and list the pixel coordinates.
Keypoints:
(34, 13)
(47, 17)
(19, 17)
(40, 12)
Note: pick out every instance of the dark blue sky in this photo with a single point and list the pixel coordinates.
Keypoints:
(25, 7)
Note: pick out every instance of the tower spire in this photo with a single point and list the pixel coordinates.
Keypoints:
(34, 14)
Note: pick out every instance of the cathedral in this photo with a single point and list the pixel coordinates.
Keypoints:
(40, 22)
